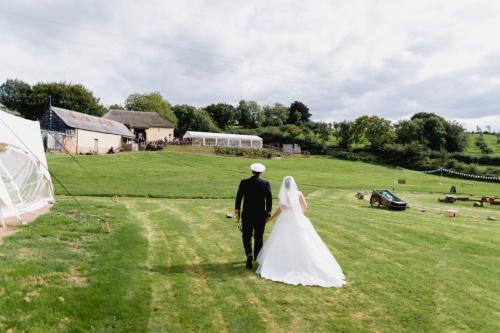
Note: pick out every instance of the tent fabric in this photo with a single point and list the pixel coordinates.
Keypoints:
(25, 183)
(207, 135)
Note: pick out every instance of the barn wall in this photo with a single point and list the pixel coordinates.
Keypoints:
(155, 133)
(50, 121)
(86, 141)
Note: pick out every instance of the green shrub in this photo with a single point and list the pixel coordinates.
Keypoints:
(352, 156)
(478, 159)
(247, 152)
(407, 155)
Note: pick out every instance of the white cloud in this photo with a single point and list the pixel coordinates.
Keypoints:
(343, 59)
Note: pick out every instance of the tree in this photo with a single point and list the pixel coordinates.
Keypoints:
(434, 132)
(275, 115)
(116, 107)
(298, 114)
(222, 114)
(70, 96)
(432, 129)
(323, 130)
(152, 102)
(293, 130)
(16, 95)
(346, 133)
(32, 102)
(191, 118)
(378, 131)
(455, 138)
(249, 114)
(408, 131)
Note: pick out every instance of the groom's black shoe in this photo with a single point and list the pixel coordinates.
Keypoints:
(249, 262)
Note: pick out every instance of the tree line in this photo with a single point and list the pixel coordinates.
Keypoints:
(276, 123)
(32, 101)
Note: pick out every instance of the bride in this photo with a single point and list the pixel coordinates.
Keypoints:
(294, 253)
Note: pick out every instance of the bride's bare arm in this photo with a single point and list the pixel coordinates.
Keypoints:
(276, 213)
(303, 203)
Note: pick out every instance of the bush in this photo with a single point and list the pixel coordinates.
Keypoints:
(352, 156)
(478, 159)
(409, 155)
(247, 152)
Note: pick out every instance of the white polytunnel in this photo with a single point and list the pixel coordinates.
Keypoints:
(223, 139)
(25, 183)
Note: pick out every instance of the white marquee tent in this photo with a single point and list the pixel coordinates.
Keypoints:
(25, 184)
(223, 139)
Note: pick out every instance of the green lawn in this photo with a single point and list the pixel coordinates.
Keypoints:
(490, 139)
(174, 263)
(182, 175)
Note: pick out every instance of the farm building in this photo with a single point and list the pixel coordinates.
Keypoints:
(146, 126)
(75, 132)
(223, 139)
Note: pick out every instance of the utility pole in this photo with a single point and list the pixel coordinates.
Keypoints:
(50, 114)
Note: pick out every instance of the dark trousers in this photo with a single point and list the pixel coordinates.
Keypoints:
(255, 228)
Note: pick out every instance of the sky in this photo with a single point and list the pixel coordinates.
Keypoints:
(343, 59)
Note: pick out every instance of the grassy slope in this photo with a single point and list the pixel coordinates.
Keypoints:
(173, 264)
(491, 141)
(181, 175)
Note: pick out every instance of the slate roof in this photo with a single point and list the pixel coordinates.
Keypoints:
(91, 123)
(138, 119)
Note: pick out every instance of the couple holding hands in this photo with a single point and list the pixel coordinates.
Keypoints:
(293, 253)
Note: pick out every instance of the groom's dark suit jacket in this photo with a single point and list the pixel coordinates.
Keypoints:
(257, 199)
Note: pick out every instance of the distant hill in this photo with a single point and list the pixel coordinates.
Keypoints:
(490, 139)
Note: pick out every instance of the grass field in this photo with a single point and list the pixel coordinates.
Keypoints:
(490, 139)
(174, 263)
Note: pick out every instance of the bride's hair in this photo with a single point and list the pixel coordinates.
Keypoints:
(288, 182)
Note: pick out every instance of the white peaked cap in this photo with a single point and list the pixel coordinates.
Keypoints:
(258, 167)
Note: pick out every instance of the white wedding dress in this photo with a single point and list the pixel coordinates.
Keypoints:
(294, 253)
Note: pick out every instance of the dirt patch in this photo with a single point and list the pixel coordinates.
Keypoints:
(73, 246)
(357, 316)
(29, 296)
(74, 277)
(35, 281)
(25, 253)
(64, 322)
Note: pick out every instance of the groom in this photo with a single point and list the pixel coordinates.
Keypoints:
(257, 204)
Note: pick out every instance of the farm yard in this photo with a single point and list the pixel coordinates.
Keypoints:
(173, 261)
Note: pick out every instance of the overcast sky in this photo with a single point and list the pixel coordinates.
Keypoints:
(341, 58)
